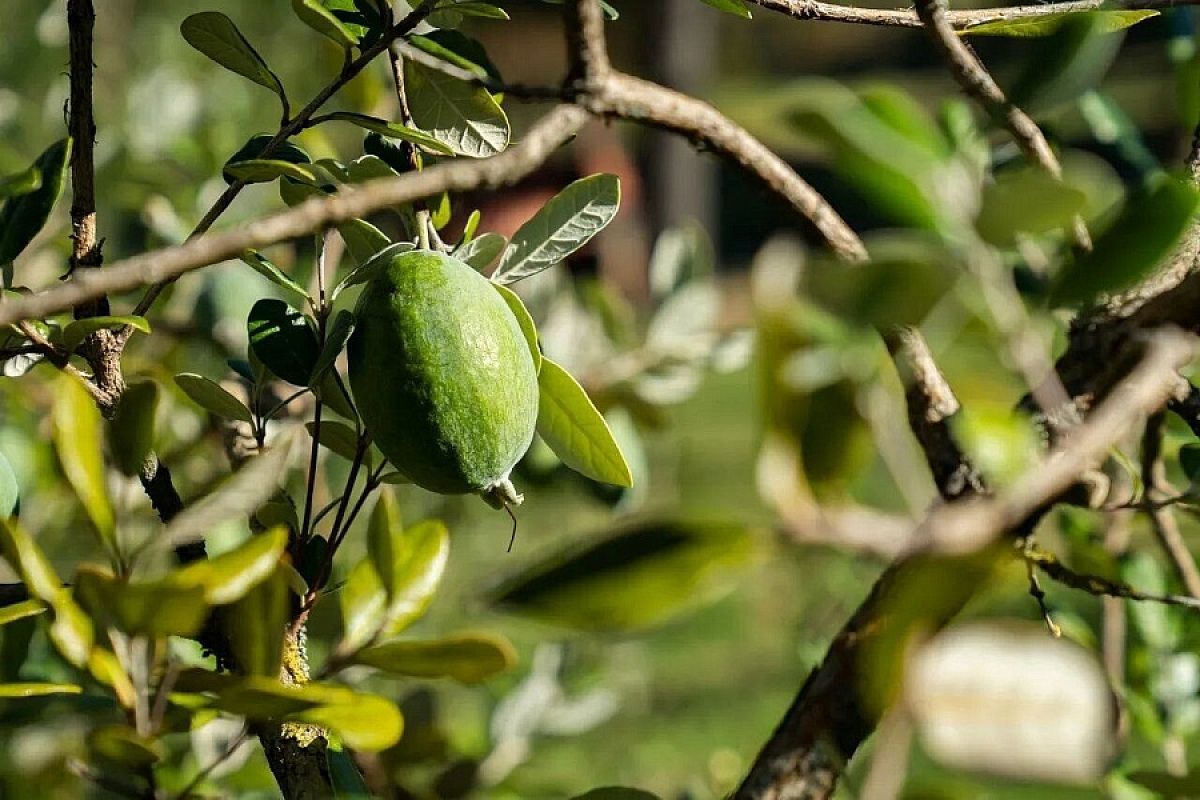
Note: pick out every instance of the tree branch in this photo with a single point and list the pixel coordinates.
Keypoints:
(1162, 517)
(959, 20)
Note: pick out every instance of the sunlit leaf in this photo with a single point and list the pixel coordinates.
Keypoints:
(21, 610)
(1029, 201)
(465, 118)
(23, 216)
(466, 658)
(10, 491)
(323, 21)
(131, 429)
(735, 7)
(265, 170)
(566, 223)
(526, 322)
(121, 744)
(481, 251)
(78, 439)
(363, 240)
(8, 690)
(263, 266)
(1046, 24)
(575, 430)
(255, 148)
(337, 437)
(393, 130)
(143, 608)
(23, 182)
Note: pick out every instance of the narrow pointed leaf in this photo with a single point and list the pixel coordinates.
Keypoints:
(228, 577)
(263, 266)
(393, 130)
(10, 690)
(335, 341)
(562, 226)
(265, 170)
(141, 608)
(466, 658)
(570, 424)
(282, 339)
(23, 182)
(21, 610)
(336, 437)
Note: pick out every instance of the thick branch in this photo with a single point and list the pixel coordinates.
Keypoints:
(959, 20)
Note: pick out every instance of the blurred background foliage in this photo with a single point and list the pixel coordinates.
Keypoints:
(667, 674)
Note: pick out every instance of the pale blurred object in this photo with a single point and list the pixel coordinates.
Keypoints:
(1011, 700)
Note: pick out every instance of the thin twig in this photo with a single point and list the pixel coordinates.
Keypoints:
(1098, 585)
(959, 20)
(1162, 517)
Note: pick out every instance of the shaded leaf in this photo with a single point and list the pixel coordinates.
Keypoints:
(131, 429)
(562, 226)
(323, 21)
(255, 626)
(643, 574)
(1142, 236)
(78, 437)
(466, 658)
(363, 240)
(374, 264)
(256, 148)
(265, 170)
(209, 395)
(1029, 201)
(275, 275)
(74, 334)
(573, 428)
(481, 251)
(215, 35)
(283, 340)
(337, 437)
(335, 342)
(122, 745)
(734, 7)
(23, 216)
(10, 491)
(465, 118)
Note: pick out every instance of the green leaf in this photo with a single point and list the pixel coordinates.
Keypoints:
(335, 341)
(74, 334)
(228, 577)
(392, 130)
(367, 271)
(21, 610)
(617, 792)
(1189, 461)
(275, 275)
(562, 226)
(255, 625)
(386, 545)
(209, 395)
(1164, 784)
(573, 428)
(1046, 24)
(265, 170)
(482, 251)
(473, 8)
(1028, 200)
(466, 658)
(644, 574)
(78, 439)
(9, 690)
(465, 118)
(131, 429)
(155, 609)
(1137, 241)
(120, 744)
(337, 437)
(525, 321)
(10, 490)
(71, 631)
(322, 20)
(363, 240)
(348, 783)
(458, 49)
(215, 35)
(255, 148)
(734, 7)
(24, 182)
(283, 340)
(23, 216)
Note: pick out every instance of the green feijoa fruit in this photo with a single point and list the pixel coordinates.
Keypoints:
(443, 376)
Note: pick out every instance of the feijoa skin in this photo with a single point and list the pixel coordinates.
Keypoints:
(443, 377)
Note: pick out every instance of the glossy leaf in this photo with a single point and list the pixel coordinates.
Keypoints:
(323, 21)
(1134, 244)
(263, 266)
(74, 334)
(209, 395)
(466, 658)
(78, 439)
(215, 35)
(335, 342)
(480, 252)
(131, 429)
(393, 130)
(1109, 21)
(255, 626)
(525, 321)
(336, 437)
(465, 118)
(23, 216)
(570, 424)
(643, 574)
(566, 223)
(10, 491)
(282, 339)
